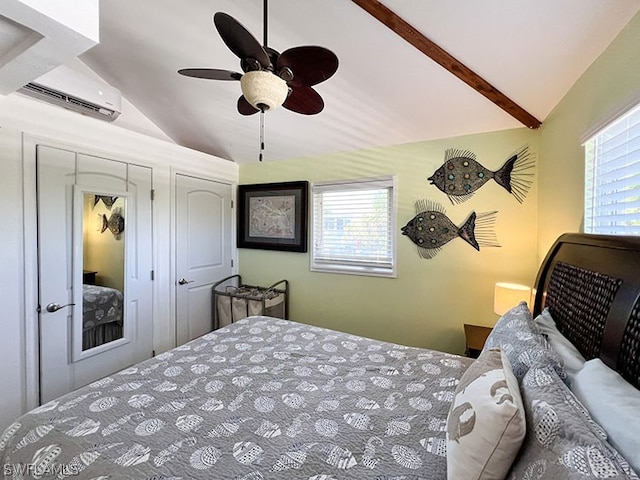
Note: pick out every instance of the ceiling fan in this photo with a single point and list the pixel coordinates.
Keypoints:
(270, 78)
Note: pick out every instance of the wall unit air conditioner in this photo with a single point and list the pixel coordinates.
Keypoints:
(72, 90)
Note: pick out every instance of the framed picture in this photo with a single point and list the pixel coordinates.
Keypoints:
(273, 216)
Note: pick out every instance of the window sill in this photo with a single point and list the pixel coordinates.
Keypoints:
(355, 270)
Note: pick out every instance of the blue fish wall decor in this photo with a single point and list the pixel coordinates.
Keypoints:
(431, 229)
(461, 175)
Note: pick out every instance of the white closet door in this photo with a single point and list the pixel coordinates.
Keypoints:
(78, 196)
(203, 251)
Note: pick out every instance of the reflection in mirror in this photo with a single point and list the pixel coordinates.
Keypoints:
(103, 269)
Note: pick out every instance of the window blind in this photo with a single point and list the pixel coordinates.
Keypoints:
(353, 226)
(612, 178)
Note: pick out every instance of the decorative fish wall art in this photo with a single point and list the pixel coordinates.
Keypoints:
(106, 199)
(461, 175)
(115, 223)
(431, 229)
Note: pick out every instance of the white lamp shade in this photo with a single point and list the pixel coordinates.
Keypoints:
(508, 295)
(263, 90)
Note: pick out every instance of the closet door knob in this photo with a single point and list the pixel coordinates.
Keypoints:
(184, 281)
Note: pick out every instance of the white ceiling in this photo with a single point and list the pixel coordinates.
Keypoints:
(385, 91)
(37, 36)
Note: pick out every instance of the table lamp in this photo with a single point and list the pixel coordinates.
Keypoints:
(508, 295)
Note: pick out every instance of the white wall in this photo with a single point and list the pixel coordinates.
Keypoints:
(131, 118)
(23, 123)
(12, 371)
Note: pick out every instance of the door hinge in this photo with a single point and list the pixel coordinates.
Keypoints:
(231, 203)
(153, 275)
(153, 194)
(232, 263)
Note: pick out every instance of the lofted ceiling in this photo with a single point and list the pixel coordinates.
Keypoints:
(385, 91)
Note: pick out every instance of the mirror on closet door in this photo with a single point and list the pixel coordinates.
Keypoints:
(100, 237)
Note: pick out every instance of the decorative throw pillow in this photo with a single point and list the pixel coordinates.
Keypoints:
(486, 422)
(572, 359)
(517, 335)
(614, 404)
(562, 441)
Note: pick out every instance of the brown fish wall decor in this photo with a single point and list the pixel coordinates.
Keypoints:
(461, 175)
(115, 223)
(431, 229)
(106, 199)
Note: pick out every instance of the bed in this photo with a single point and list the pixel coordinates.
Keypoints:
(102, 309)
(271, 398)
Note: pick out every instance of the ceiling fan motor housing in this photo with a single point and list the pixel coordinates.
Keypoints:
(264, 90)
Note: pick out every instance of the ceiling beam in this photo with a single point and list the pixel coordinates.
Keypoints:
(440, 56)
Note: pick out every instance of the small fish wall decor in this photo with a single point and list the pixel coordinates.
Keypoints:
(431, 229)
(461, 175)
(115, 223)
(106, 199)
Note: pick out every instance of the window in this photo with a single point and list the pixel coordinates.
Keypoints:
(354, 225)
(612, 177)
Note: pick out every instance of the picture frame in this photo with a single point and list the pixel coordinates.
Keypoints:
(273, 216)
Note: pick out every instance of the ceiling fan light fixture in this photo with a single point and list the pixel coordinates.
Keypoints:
(264, 90)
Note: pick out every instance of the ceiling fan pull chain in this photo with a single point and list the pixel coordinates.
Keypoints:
(261, 134)
(264, 20)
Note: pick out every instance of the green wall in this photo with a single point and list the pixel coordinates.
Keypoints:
(428, 302)
(431, 299)
(103, 252)
(611, 82)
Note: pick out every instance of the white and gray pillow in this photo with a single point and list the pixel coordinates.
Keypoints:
(572, 359)
(517, 335)
(486, 422)
(562, 441)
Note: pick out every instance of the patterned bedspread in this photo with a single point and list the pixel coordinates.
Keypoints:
(262, 398)
(100, 305)
(102, 315)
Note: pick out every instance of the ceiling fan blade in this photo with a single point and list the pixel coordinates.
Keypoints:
(239, 39)
(245, 108)
(210, 73)
(310, 64)
(304, 100)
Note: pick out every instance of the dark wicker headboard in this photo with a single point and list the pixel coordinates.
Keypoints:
(591, 284)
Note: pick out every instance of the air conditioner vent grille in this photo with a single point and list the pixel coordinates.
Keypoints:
(61, 98)
(83, 104)
(45, 91)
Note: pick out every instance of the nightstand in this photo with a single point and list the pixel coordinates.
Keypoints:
(89, 277)
(475, 336)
